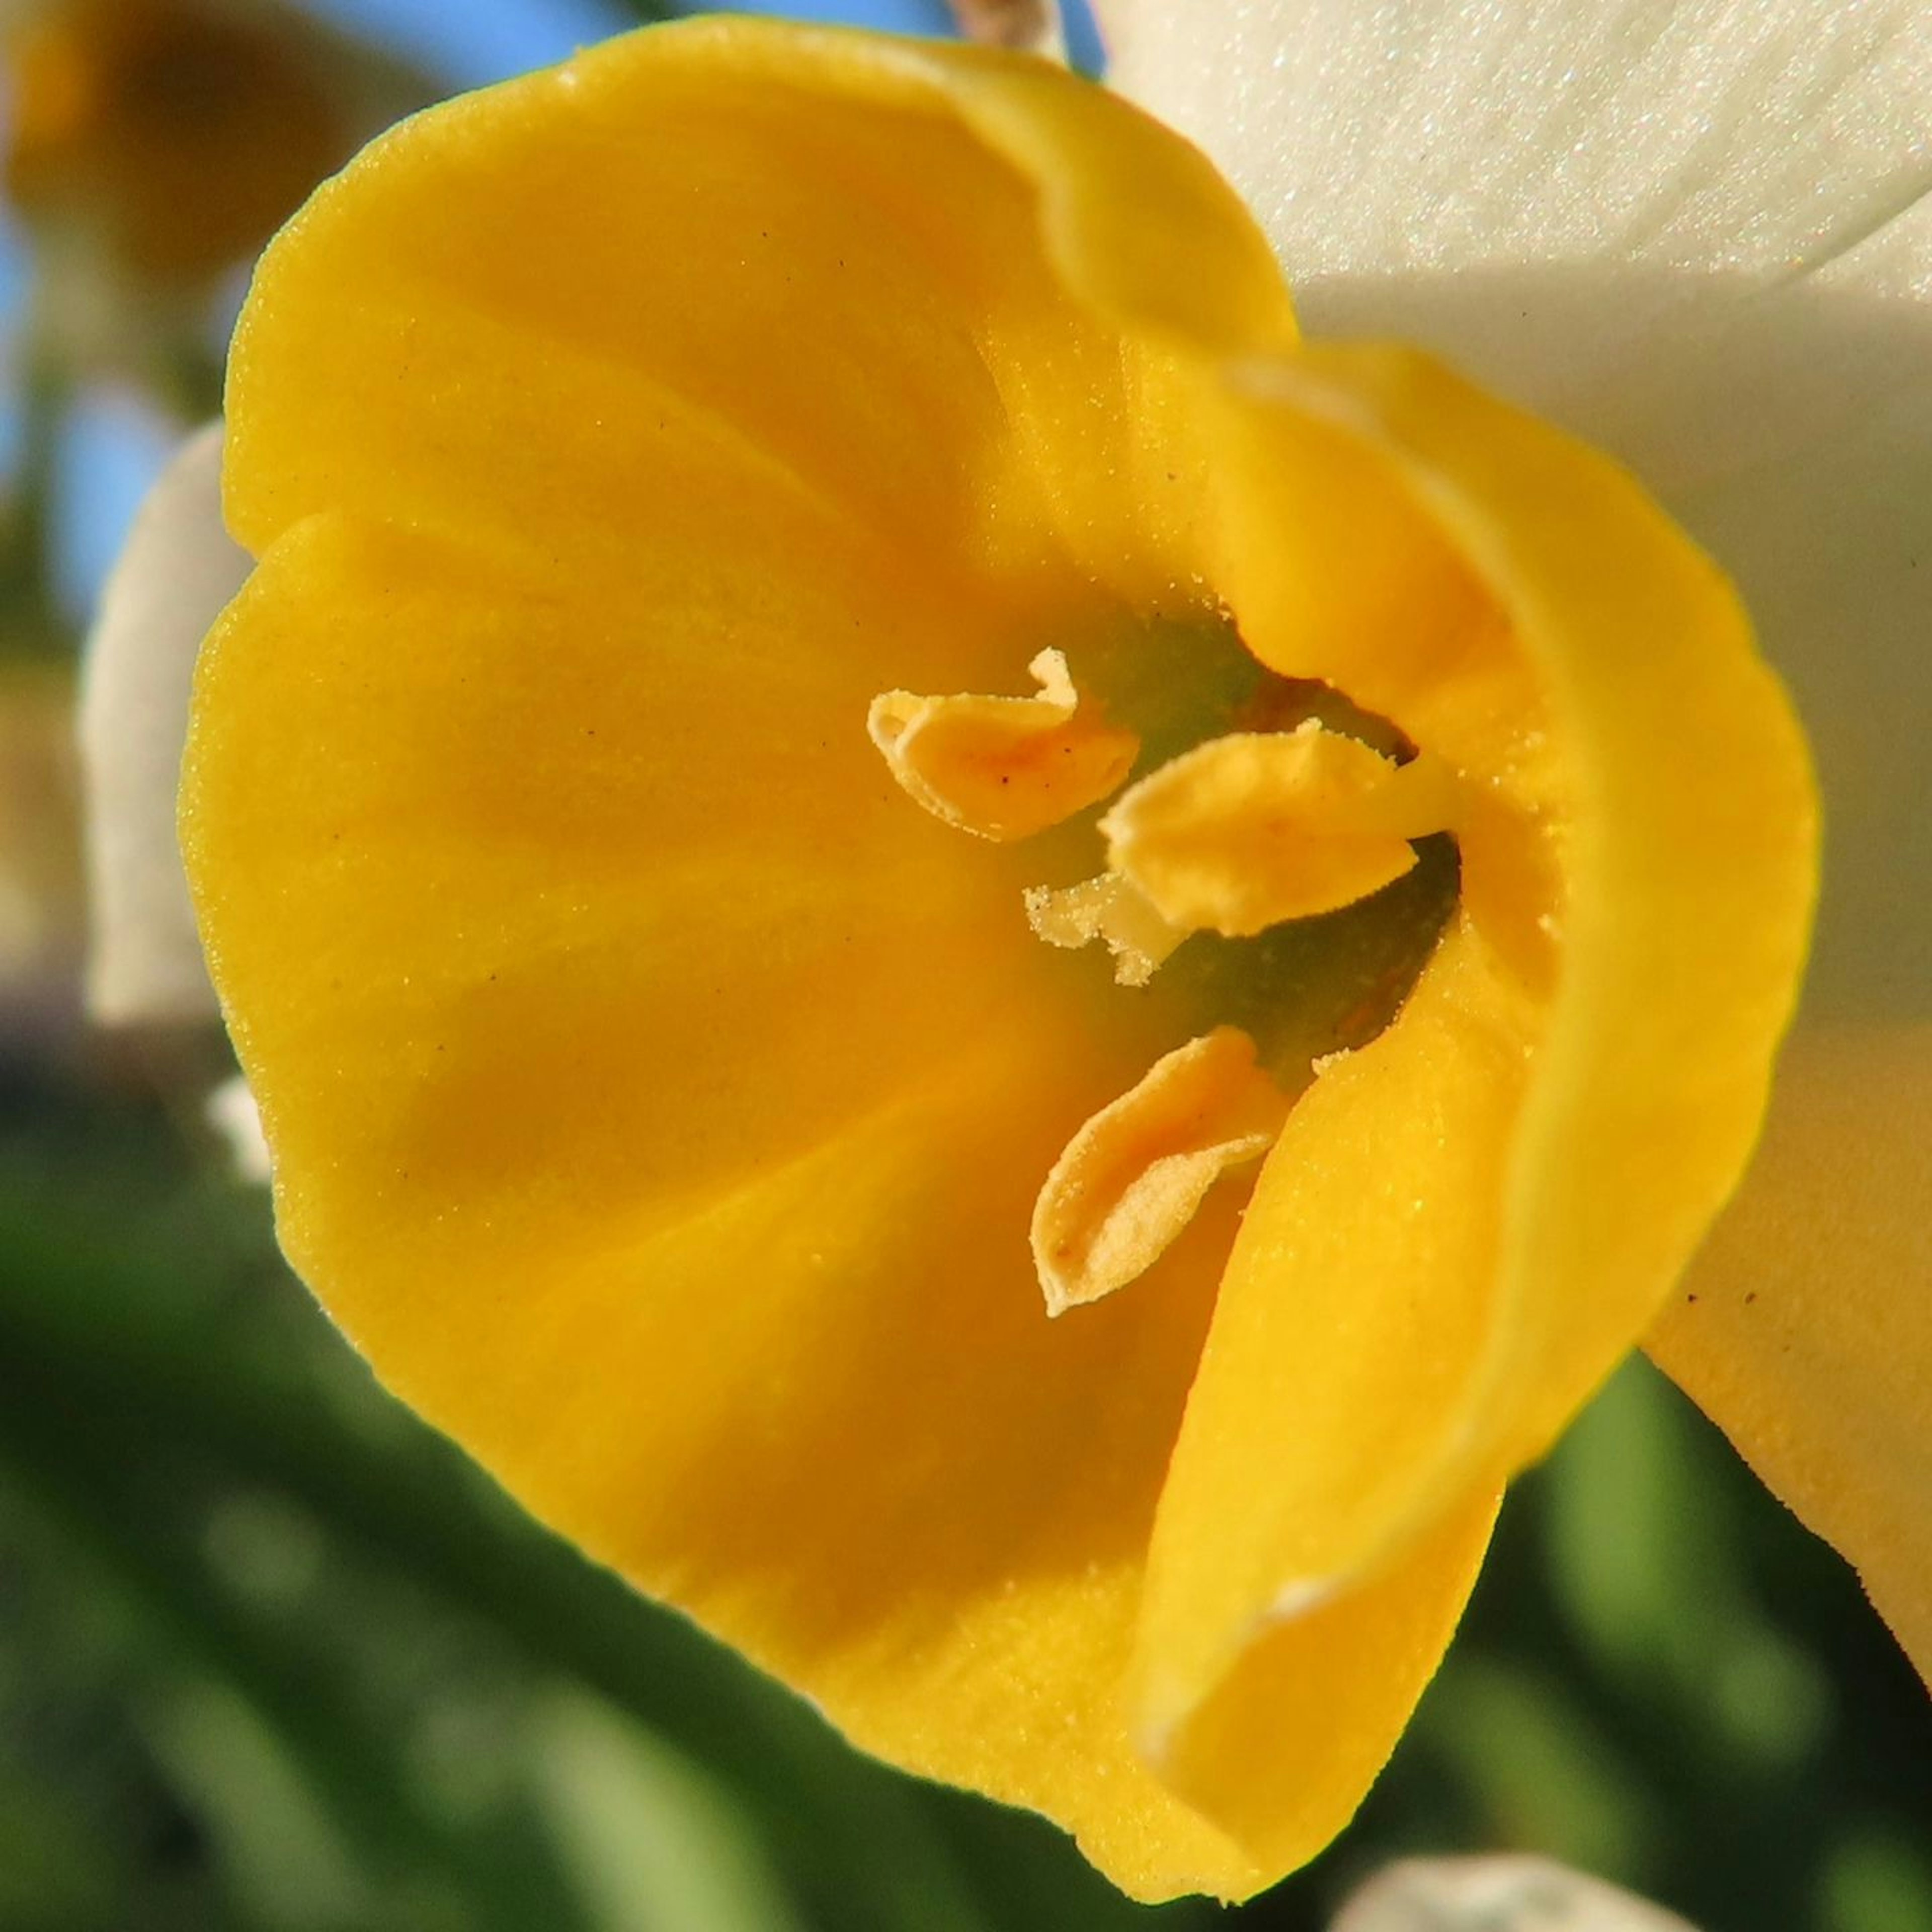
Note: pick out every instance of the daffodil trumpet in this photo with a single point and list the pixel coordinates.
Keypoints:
(1699, 237)
(768, 540)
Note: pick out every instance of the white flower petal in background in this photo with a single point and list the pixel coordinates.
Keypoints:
(231, 1112)
(1763, 138)
(1698, 232)
(1498, 1894)
(179, 567)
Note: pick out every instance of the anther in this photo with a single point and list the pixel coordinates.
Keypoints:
(1003, 768)
(1134, 1176)
(1254, 828)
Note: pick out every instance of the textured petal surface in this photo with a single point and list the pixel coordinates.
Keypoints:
(178, 568)
(1806, 1329)
(1699, 235)
(910, 1493)
(1440, 1261)
(719, 1329)
(1762, 136)
(659, 1098)
(654, 1095)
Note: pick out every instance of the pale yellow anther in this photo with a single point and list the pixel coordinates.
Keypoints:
(1134, 1176)
(1110, 909)
(1247, 830)
(1003, 768)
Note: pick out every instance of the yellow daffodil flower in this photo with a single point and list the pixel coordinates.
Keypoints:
(1001, 978)
(1700, 235)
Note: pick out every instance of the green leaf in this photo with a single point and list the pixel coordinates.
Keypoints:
(649, 1836)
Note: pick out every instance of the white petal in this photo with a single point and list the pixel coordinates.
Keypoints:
(1579, 207)
(1803, 1333)
(232, 1113)
(1498, 1894)
(1757, 136)
(179, 567)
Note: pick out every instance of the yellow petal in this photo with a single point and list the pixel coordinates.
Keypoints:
(934, 359)
(1464, 1225)
(1806, 1331)
(1362, 1288)
(751, 1337)
(1282, 1750)
(505, 874)
(656, 1098)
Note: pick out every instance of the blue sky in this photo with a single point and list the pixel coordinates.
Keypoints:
(483, 40)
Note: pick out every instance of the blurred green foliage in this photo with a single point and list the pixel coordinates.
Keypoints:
(273, 1655)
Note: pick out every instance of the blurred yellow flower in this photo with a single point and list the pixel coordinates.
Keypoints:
(40, 915)
(733, 514)
(179, 134)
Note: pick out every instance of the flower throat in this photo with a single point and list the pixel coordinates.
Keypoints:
(1282, 860)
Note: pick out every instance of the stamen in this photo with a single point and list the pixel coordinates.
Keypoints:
(1133, 1176)
(1254, 828)
(1107, 908)
(1003, 768)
